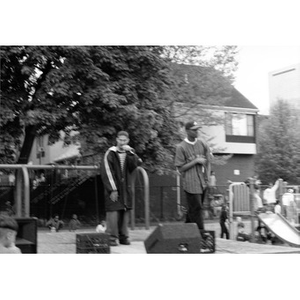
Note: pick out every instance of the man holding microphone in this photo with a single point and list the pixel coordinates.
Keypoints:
(118, 163)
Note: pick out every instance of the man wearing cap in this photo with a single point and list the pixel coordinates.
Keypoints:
(192, 160)
(8, 232)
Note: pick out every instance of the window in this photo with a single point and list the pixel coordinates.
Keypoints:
(240, 128)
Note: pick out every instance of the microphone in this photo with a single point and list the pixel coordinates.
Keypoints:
(131, 150)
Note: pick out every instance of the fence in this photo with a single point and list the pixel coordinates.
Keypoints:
(164, 203)
(44, 190)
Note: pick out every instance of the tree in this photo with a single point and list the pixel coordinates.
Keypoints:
(279, 145)
(99, 90)
(202, 75)
(95, 90)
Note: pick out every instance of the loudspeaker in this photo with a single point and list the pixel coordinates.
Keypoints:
(174, 238)
(26, 238)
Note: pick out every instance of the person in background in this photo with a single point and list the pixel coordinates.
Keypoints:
(242, 236)
(287, 198)
(8, 232)
(193, 161)
(42, 178)
(118, 164)
(11, 179)
(101, 228)
(290, 206)
(9, 208)
(223, 220)
(35, 182)
(258, 204)
(55, 224)
(269, 195)
(74, 223)
(277, 208)
(212, 181)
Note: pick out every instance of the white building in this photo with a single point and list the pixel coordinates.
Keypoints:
(284, 84)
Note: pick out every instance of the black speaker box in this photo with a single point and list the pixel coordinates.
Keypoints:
(174, 238)
(92, 243)
(26, 238)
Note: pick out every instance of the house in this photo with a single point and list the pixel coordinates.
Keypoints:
(59, 152)
(284, 84)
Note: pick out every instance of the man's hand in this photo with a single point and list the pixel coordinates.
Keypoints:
(127, 148)
(200, 160)
(114, 196)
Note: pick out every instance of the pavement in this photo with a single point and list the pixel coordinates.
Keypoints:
(64, 242)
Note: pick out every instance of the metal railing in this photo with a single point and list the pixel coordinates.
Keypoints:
(23, 182)
(23, 187)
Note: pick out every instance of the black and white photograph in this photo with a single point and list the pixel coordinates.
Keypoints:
(176, 148)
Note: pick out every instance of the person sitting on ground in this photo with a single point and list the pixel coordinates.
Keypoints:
(242, 235)
(8, 232)
(101, 228)
(55, 224)
(74, 223)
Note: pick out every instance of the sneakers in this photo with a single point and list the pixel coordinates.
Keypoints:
(113, 243)
(125, 242)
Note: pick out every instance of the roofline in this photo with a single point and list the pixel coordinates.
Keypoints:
(231, 108)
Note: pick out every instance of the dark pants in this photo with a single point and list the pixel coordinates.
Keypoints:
(117, 224)
(195, 209)
(224, 230)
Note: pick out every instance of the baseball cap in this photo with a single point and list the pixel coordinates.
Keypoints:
(192, 125)
(8, 223)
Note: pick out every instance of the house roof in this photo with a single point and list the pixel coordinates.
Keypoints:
(71, 151)
(237, 99)
(206, 78)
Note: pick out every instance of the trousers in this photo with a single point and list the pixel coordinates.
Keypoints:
(195, 209)
(224, 230)
(117, 224)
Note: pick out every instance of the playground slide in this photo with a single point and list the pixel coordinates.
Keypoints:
(281, 228)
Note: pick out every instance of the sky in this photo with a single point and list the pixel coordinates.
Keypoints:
(255, 63)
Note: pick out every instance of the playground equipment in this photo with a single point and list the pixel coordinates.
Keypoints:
(280, 226)
(241, 203)
(137, 171)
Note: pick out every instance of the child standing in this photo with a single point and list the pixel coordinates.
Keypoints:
(223, 219)
(8, 232)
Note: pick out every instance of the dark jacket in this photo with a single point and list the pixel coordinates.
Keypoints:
(223, 216)
(115, 180)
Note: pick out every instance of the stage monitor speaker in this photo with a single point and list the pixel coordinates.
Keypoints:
(174, 238)
(27, 235)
